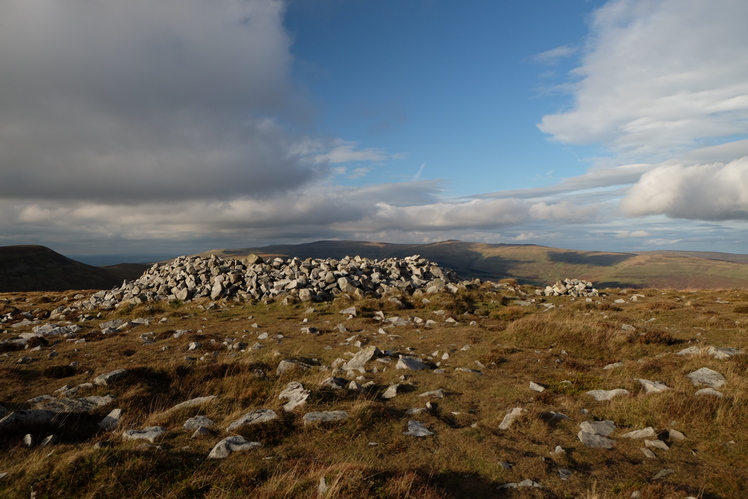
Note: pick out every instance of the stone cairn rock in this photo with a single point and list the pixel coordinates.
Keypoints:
(288, 280)
(570, 287)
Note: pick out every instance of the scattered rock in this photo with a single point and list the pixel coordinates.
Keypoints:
(151, 433)
(228, 445)
(74, 405)
(656, 444)
(196, 422)
(593, 434)
(434, 394)
(653, 386)
(706, 377)
(111, 420)
(417, 429)
(647, 432)
(601, 395)
(536, 387)
(110, 377)
(411, 364)
(253, 417)
(524, 483)
(324, 417)
(391, 391)
(359, 360)
(295, 394)
(710, 391)
(193, 402)
(511, 417)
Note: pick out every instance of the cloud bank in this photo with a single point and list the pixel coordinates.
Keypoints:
(141, 100)
(659, 78)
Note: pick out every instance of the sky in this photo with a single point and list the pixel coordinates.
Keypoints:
(179, 126)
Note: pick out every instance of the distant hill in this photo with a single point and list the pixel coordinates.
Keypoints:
(540, 265)
(37, 268)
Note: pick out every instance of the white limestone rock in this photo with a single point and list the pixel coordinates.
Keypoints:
(411, 364)
(150, 433)
(295, 395)
(196, 422)
(653, 386)
(601, 395)
(228, 445)
(107, 379)
(324, 417)
(511, 417)
(706, 377)
(417, 429)
(647, 432)
(253, 417)
(111, 420)
(358, 362)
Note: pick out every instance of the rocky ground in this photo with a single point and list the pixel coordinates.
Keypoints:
(217, 378)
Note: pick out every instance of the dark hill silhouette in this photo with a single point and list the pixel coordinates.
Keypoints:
(38, 268)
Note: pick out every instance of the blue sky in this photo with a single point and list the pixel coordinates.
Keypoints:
(185, 125)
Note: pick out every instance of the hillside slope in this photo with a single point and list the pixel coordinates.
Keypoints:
(38, 268)
(540, 265)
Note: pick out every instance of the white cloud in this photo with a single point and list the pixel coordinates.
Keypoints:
(553, 55)
(659, 77)
(715, 191)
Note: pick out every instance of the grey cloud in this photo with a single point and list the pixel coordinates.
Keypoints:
(113, 100)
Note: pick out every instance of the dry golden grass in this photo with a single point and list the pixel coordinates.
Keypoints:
(563, 348)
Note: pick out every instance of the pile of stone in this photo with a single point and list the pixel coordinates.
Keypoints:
(255, 279)
(570, 287)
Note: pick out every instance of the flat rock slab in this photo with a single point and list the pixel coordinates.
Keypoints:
(74, 405)
(411, 364)
(194, 402)
(706, 377)
(110, 377)
(324, 417)
(417, 429)
(254, 417)
(232, 444)
(601, 395)
(434, 394)
(295, 394)
(151, 433)
(647, 432)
